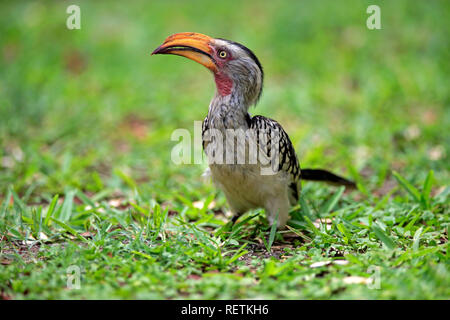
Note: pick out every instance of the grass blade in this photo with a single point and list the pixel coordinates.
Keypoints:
(305, 208)
(273, 231)
(407, 186)
(239, 253)
(427, 189)
(69, 229)
(330, 204)
(416, 239)
(299, 233)
(66, 209)
(383, 237)
(344, 232)
(125, 178)
(50, 210)
(85, 199)
(5, 203)
(146, 256)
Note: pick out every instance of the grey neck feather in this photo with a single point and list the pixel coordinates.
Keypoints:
(230, 112)
(227, 112)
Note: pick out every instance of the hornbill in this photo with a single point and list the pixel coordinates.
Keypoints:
(239, 80)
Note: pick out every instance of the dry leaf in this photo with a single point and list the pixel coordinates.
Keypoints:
(436, 153)
(356, 280)
(5, 262)
(326, 222)
(87, 234)
(320, 264)
(194, 277)
(412, 132)
(328, 262)
(340, 262)
(115, 202)
(200, 204)
(43, 236)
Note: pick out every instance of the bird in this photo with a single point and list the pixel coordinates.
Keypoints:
(250, 158)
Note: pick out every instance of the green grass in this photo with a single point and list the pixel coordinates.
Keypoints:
(86, 177)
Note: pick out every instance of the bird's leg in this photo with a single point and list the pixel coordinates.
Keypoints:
(230, 224)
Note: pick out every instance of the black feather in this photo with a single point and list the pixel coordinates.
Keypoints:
(325, 176)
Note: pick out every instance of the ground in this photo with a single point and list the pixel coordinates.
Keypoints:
(92, 206)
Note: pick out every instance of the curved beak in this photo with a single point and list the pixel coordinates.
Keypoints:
(195, 46)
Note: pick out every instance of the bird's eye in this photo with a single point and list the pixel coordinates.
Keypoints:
(223, 54)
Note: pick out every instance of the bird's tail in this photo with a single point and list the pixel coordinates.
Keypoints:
(325, 176)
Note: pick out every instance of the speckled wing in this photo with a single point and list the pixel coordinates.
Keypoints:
(287, 159)
(268, 133)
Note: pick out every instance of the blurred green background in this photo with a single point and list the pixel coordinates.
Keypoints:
(77, 104)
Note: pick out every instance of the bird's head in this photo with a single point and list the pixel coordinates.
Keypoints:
(237, 71)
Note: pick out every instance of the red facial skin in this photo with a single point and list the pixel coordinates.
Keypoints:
(223, 82)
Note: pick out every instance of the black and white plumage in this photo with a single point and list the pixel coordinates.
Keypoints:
(288, 161)
(251, 159)
(245, 185)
